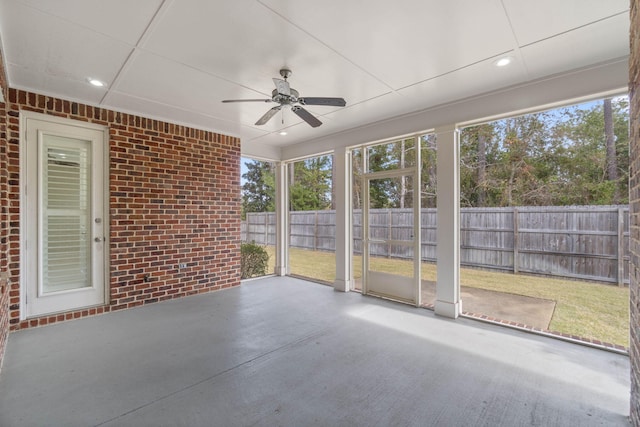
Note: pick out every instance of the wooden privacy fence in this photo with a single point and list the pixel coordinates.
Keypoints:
(582, 242)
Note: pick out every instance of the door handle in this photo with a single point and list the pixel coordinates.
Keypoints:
(98, 239)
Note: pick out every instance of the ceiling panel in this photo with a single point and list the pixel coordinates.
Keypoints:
(373, 111)
(405, 42)
(296, 131)
(55, 85)
(246, 43)
(537, 20)
(160, 80)
(476, 79)
(237, 40)
(102, 16)
(52, 55)
(130, 104)
(595, 43)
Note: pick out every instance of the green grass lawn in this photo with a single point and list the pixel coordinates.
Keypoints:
(586, 309)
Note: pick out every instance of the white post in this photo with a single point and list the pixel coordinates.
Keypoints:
(448, 301)
(282, 220)
(343, 238)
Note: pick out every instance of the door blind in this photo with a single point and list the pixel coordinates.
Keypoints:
(66, 236)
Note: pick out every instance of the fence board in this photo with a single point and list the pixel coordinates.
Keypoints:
(585, 242)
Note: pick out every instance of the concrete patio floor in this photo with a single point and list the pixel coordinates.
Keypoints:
(283, 351)
(532, 312)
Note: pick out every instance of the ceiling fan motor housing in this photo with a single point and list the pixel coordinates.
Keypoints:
(285, 99)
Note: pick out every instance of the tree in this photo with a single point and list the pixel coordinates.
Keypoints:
(428, 156)
(259, 189)
(589, 154)
(382, 193)
(528, 161)
(310, 184)
(478, 155)
(356, 168)
(569, 156)
(610, 142)
(484, 134)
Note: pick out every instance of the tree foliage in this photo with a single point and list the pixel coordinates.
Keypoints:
(557, 157)
(259, 188)
(310, 184)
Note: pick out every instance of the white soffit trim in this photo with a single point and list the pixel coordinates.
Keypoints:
(257, 150)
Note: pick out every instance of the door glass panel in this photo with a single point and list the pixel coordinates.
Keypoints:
(66, 214)
(395, 266)
(391, 235)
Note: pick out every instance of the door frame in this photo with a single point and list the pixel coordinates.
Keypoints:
(29, 115)
(414, 173)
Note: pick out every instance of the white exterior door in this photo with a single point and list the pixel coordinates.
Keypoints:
(64, 221)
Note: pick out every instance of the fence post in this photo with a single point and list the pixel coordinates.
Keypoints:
(620, 246)
(389, 254)
(315, 230)
(516, 240)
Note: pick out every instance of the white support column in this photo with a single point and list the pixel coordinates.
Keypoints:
(448, 301)
(342, 186)
(282, 220)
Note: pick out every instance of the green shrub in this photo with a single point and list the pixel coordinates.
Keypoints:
(255, 260)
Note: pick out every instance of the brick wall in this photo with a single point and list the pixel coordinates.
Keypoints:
(634, 198)
(4, 286)
(174, 198)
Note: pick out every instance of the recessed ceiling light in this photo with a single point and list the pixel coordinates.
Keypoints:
(283, 133)
(503, 62)
(96, 82)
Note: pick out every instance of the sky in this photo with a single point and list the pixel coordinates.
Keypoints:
(243, 168)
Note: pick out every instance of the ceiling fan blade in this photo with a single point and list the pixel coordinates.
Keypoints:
(283, 87)
(246, 100)
(267, 116)
(306, 116)
(333, 102)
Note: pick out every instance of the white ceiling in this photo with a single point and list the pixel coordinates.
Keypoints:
(177, 59)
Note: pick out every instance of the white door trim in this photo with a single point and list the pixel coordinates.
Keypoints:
(25, 116)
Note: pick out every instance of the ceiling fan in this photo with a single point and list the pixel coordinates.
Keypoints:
(286, 96)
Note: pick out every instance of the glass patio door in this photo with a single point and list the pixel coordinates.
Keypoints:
(391, 236)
